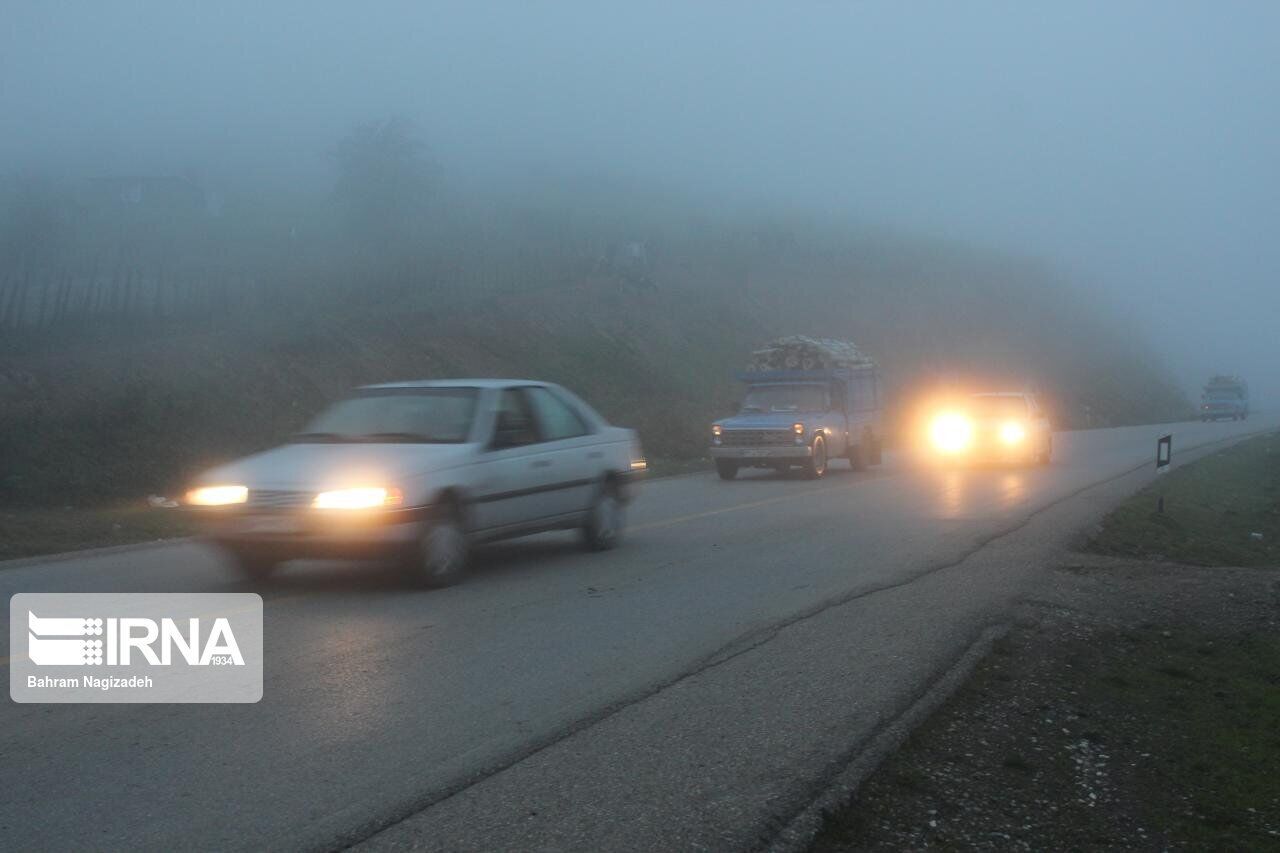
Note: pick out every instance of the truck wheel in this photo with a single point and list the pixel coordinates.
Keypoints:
(858, 456)
(816, 465)
(726, 468)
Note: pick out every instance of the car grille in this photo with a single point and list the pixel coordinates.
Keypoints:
(278, 499)
(756, 437)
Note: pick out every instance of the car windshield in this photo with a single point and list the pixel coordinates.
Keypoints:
(417, 415)
(993, 406)
(1224, 394)
(786, 398)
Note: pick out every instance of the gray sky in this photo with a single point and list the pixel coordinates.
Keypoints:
(1132, 144)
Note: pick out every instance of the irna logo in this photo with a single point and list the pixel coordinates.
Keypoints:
(125, 640)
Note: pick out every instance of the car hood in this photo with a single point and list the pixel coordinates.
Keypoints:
(312, 467)
(766, 420)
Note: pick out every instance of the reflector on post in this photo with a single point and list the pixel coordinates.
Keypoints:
(1164, 453)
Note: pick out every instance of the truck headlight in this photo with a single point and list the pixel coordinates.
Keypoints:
(798, 429)
(1012, 432)
(217, 495)
(951, 432)
(716, 432)
(363, 497)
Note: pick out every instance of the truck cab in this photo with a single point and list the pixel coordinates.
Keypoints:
(802, 418)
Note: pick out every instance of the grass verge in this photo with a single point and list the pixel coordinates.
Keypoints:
(32, 532)
(1221, 511)
(1154, 738)
(1136, 705)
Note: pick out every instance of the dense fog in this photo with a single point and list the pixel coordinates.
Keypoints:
(1131, 146)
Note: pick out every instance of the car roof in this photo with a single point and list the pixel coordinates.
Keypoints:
(456, 383)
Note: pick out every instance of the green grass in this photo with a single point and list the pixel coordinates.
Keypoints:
(31, 532)
(1214, 712)
(1212, 508)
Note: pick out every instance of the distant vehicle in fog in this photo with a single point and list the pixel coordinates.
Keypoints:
(418, 471)
(808, 401)
(1225, 397)
(994, 427)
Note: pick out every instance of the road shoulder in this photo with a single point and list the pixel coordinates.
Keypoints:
(1133, 704)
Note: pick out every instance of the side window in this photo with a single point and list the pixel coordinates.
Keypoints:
(513, 426)
(838, 393)
(864, 393)
(555, 419)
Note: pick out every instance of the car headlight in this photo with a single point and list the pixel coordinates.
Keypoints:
(716, 432)
(217, 495)
(951, 432)
(1012, 432)
(363, 497)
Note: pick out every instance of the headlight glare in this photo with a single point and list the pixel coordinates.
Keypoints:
(217, 495)
(951, 432)
(363, 497)
(1012, 432)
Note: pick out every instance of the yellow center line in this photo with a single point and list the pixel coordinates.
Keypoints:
(681, 519)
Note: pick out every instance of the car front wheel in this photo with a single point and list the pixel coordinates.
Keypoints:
(726, 468)
(440, 558)
(603, 527)
(252, 564)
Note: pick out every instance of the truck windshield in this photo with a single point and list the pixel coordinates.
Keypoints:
(1224, 394)
(413, 415)
(786, 398)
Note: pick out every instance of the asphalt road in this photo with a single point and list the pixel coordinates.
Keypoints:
(692, 690)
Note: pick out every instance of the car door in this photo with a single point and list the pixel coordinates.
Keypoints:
(577, 460)
(517, 471)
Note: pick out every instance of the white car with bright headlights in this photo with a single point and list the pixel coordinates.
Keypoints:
(419, 471)
(998, 427)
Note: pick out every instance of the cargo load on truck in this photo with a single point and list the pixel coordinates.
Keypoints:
(800, 352)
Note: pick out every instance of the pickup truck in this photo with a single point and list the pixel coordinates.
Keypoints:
(802, 418)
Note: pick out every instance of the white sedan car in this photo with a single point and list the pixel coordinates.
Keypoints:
(419, 471)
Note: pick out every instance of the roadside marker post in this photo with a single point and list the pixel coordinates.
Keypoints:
(1164, 456)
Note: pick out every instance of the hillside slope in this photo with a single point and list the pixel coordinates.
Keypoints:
(117, 411)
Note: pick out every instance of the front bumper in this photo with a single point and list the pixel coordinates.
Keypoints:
(795, 451)
(289, 535)
(991, 452)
